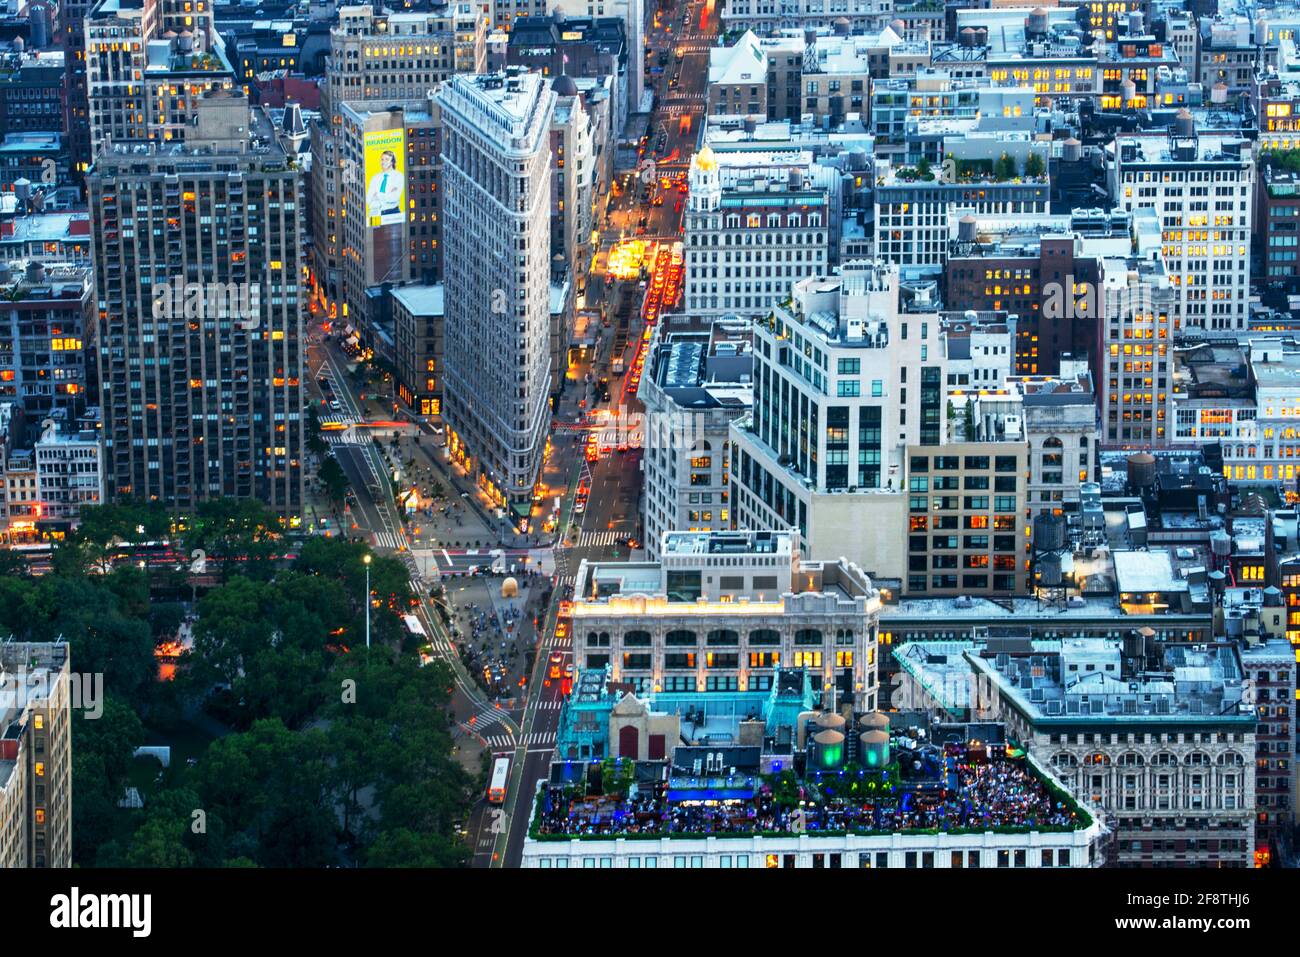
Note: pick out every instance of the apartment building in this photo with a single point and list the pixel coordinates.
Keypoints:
(419, 314)
(845, 379)
(698, 378)
(967, 532)
(378, 60)
(985, 174)
(1201, 186)
(35, 756)
(148, 62)
(1270, 667)
(198, 261)
(45, 335)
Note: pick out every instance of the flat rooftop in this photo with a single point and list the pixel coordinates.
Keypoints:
(728, 543)
(978, 790)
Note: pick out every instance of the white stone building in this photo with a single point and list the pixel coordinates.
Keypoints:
(497, 191)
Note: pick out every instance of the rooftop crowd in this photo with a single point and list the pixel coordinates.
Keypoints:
(994, 793)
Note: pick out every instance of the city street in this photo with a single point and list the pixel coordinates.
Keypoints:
(454, 538)
(610, 515)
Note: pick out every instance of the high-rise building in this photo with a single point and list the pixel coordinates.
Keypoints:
(45, 325)
(496, 202)
(844, 381)
(634, 16)
(379, 61)
(197, 253)
(35, 756)
(72, 16)
(147, 64)
(403, 242)
(698, 378)
(966, 518)
(1202, 188)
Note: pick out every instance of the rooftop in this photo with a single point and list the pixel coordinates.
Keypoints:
(957, 789)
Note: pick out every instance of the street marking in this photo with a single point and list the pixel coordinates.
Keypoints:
(599, 539)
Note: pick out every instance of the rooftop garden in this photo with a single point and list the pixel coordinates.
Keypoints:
(1004, 169)
(973, 792)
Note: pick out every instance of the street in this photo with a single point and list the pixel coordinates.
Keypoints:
(456, 548)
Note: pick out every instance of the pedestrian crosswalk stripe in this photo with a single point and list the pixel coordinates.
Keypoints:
(540, 737)
(598, 539)
(387, 540)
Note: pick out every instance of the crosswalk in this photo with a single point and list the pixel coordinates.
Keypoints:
(388, 540)
(599, 539)
(344, 438)
(508, 742)
(551, 704)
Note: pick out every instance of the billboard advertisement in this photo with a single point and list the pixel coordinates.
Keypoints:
(385, 172)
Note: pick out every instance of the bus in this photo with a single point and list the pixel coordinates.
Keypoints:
(500, 777)
(414, 627)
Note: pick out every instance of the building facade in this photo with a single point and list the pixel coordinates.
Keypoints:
(199, 310)
(497, 186)
(723, 611)
(35, 756)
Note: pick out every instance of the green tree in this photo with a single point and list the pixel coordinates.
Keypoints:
(101, 762)
(1034, 166)
(402, 847)
(1005, 167)
(333, 480)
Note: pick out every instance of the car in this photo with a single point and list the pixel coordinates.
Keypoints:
(335, 406)
(579, 506)
(561, 629)
(568, 672)
(556, 660)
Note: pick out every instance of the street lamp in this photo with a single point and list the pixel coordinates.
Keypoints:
(366, 560)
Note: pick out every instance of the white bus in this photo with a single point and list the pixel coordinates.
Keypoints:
(414, 627)
(500, 777)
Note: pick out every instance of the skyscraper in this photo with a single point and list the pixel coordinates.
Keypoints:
(197, 267)
(496, 203)
(147, 64)
(379, 61)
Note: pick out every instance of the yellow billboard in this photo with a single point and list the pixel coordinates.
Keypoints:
(385, 168)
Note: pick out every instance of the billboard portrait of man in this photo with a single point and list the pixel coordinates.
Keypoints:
(385, 177)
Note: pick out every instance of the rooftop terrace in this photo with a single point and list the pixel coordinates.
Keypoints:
(962, 790)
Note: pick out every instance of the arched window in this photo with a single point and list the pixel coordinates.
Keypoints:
(808, 636)
(637, 639)
(723, 637)
(764, 636)
(680, 637)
